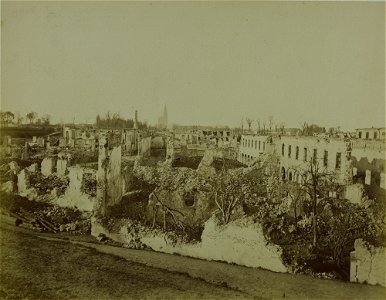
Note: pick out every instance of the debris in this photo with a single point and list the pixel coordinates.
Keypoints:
(101, 237)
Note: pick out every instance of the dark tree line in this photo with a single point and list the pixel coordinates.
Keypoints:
(311, 129)
(115, 121)
(8, 118)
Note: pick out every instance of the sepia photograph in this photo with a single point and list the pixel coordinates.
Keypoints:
(192, 150)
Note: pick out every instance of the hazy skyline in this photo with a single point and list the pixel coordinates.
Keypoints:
(210, 63)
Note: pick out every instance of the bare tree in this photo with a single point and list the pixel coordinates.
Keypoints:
(296, 193)
(46, 119)
(270, 123)
(304, 127)
(316, 182)
(230, 191)
(258, 125)
(282, 127)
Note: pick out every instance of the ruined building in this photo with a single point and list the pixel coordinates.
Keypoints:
(370, 133)
(351, 160)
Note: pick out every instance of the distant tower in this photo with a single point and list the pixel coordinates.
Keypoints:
(163, 120)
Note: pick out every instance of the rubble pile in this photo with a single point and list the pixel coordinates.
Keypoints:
(82, 157)
(89, 184)
(9, 170)
(45, 217)
(44, 185)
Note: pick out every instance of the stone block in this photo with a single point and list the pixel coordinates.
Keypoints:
(368, 177)
(47, 166)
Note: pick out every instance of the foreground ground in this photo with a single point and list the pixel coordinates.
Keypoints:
(37, 268)
(45, 267)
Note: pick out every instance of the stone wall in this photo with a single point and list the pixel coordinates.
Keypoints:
(61, 167)
(73, 196)
(23, 183)
(367, 264)
(241, 242)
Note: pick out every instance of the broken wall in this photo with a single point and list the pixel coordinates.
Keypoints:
(110, 184)
(74, 196)
(157, 142)
(367, 264)
(23, 183)
(145, 146)
(354, 193)
(206, 167)
(241, 242)
(61, 167)
(47, 166)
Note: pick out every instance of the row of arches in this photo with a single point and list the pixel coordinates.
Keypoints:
(290, 175)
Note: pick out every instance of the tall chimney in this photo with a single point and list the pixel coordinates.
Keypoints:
(136, 120)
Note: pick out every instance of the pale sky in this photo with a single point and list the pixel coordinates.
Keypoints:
(210, 63)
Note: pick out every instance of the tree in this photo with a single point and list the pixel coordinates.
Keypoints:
(296, 193)
(258, 125)
(46, 119)
(19, 119)
(6, 118)
(270, 123)
(31, 117)
(316, 182)
(230, 191)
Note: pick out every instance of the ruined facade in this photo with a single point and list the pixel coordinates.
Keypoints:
(252, 146)
(331, 155)
(218, 137)
(84, 139)
(371, 133)
(369, 162)
(348, 159)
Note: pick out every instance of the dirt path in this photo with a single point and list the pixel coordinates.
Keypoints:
(242, 281)
(37, 268)
(254, 282)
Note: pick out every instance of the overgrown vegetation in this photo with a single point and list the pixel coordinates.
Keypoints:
(289, 213)
(43, 184)
(89, 184)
